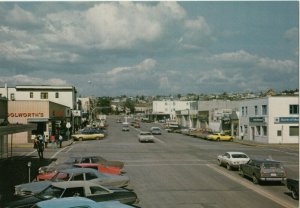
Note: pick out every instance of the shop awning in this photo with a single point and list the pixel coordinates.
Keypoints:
(35, 120)
(16, 128)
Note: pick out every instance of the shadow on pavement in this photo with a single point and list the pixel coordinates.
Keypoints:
(15, 170)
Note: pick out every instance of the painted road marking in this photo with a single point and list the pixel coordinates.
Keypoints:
(53, 156)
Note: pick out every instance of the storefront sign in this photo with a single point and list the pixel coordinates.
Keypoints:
(26, 115)
(256, 119)
(287, 120)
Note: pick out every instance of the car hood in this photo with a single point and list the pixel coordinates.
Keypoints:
(31, 188)
(24, 202)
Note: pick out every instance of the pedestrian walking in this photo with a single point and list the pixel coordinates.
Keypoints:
(52, 140)
(60, 138)
(39, 145)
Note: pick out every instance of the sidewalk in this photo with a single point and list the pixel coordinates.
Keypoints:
(252, 143)
(30, 145)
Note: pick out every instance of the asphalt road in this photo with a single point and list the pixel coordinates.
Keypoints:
(182, 171)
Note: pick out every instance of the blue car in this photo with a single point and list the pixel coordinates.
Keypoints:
(78, 202)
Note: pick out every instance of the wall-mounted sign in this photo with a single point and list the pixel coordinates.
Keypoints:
(26, 115)
(286, 120)
(257, 119)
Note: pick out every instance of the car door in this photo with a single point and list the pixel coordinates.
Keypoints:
(98, 194)
(248, 167)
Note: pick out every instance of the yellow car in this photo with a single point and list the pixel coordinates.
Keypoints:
(88, 134)
(219, 137)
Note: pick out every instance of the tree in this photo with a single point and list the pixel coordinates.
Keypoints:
(130, 105)
(104, 103)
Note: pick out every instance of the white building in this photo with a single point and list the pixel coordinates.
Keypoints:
(64, 95)
(166, 109)
(270, 119)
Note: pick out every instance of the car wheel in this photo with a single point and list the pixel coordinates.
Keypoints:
(97, 138)
(231, 139)
(254, 179)
(219, 162)
(218, 139)
(228, 166)
(80, 139)
(294, 194)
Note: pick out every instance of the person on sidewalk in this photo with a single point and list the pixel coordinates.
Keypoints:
(60, 138)
(39, 145)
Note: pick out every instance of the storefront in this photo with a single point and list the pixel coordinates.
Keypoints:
(49, 117)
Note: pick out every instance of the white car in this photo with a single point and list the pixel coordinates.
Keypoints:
(146, 136)
(233, 159)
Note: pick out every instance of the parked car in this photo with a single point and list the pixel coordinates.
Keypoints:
(73, 174)
(45, 171)
(71, 202)
(101, 168)
(155, 130)
(233, 159)
(145, 136)
(219, 137)
(293, 186)
(263, 170)
(88, 134)
(136, 125)
(77, 188)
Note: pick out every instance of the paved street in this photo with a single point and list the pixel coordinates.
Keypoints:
(182, 171)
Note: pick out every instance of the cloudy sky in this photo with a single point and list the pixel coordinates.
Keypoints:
(150, 48)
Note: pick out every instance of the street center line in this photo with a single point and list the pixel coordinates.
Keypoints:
(30, 153)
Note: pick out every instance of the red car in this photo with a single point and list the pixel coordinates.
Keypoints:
(101, 168)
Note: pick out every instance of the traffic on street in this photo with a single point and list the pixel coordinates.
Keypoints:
(175, 170)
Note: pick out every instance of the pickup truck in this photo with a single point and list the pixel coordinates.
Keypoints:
(293, 186)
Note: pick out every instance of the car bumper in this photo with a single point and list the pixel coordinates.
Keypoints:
(273, 179)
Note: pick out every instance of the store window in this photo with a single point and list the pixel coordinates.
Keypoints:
(279, 133)
(264, 130)
(44, 95)
(246, 110)
(243, 111)
(12, 96)
(294, 130)
(31, 94)
(264, 110)
(56, 95)
(246, 129)
(258, 130)
(256, 110)
(294, 109)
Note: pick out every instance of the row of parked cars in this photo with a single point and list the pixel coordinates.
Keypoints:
(92, 177)
(258, 170)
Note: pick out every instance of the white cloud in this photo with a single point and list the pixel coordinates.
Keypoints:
(292, 34)
(20, 16)
(21, 79)
(146, 65)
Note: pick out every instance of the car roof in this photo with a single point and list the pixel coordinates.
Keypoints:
(265, 160)
(79, 170)
(72, 184)
(231, 153)
(68, 202)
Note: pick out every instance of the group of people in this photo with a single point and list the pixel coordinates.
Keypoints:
(40, 143)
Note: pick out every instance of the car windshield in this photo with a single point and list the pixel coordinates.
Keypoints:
(51, 192)
(239, 156)
(272, 165)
